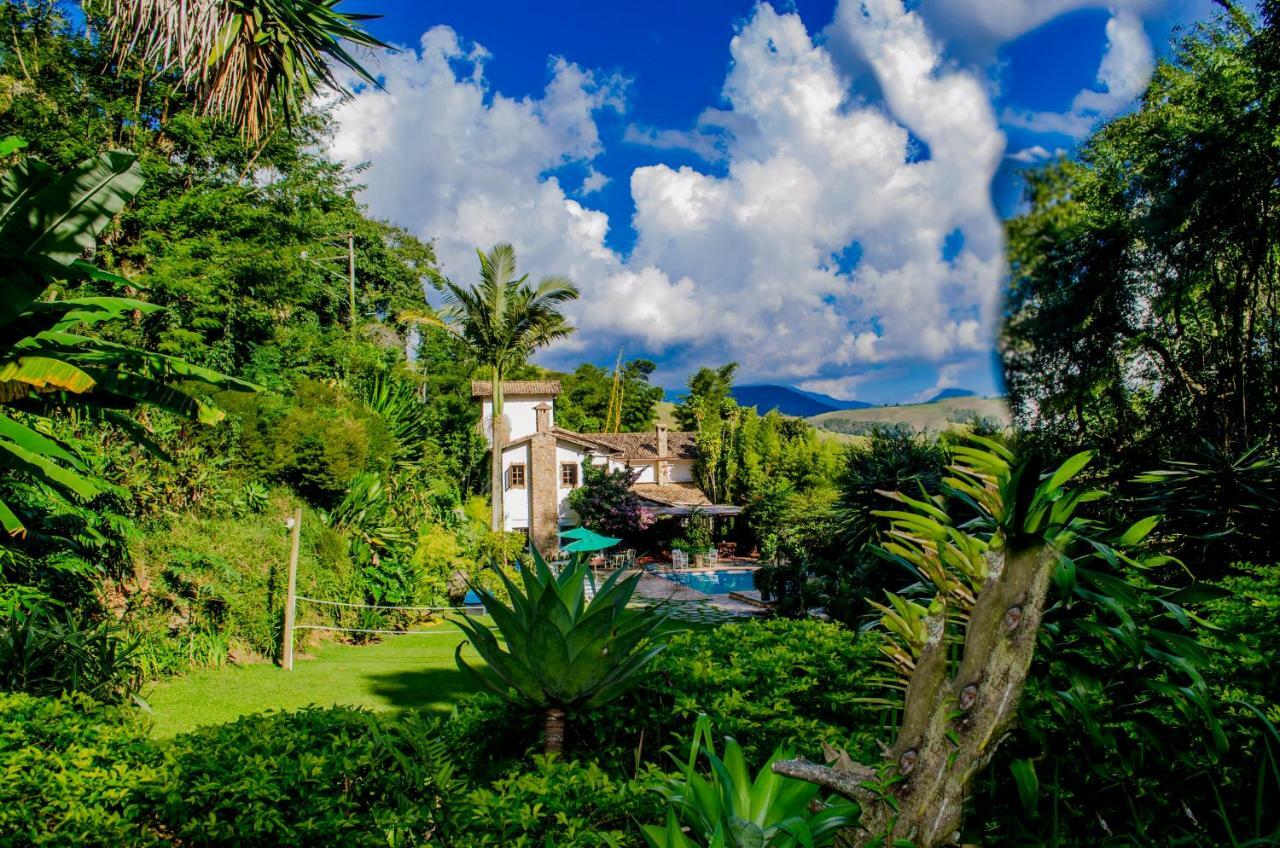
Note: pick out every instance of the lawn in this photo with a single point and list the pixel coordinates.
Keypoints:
(402, 672)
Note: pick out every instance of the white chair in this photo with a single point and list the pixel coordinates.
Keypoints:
(712, 556)
(679, 559)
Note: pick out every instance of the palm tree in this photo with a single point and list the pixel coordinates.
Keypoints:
(559, 650)
(243, 58)
(503, 320)
(47, 221)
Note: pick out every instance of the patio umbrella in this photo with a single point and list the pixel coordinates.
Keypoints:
(595, 542)
(577, 533)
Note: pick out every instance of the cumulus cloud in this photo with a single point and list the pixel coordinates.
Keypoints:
(1123, 73)
(973, 30)
(751, 262)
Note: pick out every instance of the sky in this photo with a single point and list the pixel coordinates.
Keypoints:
(811, 188)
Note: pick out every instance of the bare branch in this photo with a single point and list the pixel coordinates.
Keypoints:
(849, 783)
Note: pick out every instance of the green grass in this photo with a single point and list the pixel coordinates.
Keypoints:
(401, 672)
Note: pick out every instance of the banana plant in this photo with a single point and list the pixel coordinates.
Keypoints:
(732, 809)
(48, 222)
(562, 652)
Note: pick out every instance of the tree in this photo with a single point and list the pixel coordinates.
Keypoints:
(47, 221)
(562, 651)
(1143, 312)
(503, 320)
(990, 586)
(249, 61)
(584, 400)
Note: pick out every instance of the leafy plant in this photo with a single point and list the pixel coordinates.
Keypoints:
(567, 804)
(69, 770)
(730, 808)
(47, 221)
(311, 777)
(562, 651)
(43, 653)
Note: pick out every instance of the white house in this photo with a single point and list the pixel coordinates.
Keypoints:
(542, 463)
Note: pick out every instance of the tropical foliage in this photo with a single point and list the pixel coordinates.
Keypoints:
(563, 650)
(248, 62)
(732, 808)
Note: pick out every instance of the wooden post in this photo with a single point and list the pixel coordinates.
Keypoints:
(291, 598)
(351, 275)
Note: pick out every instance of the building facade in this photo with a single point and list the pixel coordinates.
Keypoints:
(542, 463)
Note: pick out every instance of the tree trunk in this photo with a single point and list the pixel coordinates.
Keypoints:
(554, 733)
(952, 723)
(498, 440)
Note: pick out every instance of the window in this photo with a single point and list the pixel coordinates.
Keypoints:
(515, 476)
(568, 475)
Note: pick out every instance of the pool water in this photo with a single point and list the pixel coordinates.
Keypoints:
(716, 581)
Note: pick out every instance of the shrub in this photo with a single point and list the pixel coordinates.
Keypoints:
(69, 768)
(567, 804)
(768, 684)
(313, 777)
(44, 653)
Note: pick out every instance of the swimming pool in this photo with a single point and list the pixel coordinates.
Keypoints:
(716, 581)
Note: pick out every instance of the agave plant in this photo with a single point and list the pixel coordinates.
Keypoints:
(48, 221)
(731, 809)
(562, 651)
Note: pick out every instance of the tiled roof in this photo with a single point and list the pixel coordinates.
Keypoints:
(642, 446)
(483, 388)
(672, 494)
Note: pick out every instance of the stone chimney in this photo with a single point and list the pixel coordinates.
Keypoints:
(543, 412)
(660, 466)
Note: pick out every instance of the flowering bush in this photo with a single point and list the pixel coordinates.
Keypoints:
(606, 502)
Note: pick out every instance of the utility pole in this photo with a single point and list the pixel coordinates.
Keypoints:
(351, 276)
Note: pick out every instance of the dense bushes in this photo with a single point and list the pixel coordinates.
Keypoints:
(70, 773)
(79, 773)
(312, 777)
(782, 682)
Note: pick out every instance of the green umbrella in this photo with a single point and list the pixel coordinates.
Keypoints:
(595, 543)
(578, 533)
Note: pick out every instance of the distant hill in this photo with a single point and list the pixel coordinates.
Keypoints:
(789, 401)
(934, 416)
(950, 393)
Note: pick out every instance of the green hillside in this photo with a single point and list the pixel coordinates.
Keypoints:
(936, 416)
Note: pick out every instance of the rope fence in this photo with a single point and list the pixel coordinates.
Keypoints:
(293, 598)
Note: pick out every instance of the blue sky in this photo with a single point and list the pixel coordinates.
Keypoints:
(811, 188)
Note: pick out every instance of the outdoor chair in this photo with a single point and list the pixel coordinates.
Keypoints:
(679, 559)
(712, 556)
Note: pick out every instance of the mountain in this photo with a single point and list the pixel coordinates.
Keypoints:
(790, 401)
(935, 416)
(950, 393)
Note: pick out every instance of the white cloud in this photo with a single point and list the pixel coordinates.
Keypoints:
(1035, 153)
(973, 30)
(593, 181)
(1123, 73)
(735, 265)
(840, 388)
